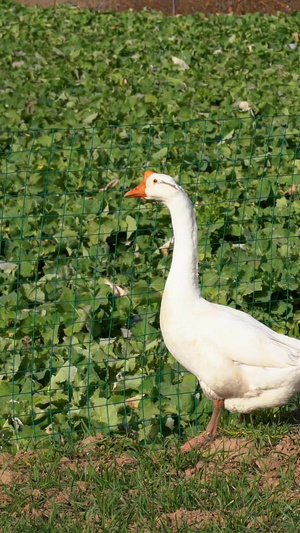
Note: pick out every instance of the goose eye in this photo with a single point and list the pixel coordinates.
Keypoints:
(154, 181)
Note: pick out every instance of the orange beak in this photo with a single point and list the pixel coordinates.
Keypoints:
(140, 190)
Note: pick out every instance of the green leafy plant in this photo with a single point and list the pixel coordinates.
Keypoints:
(81, 271)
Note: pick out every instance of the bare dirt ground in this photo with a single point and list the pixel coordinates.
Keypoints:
(181, 7)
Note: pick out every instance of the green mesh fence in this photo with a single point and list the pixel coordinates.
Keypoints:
(82, 270)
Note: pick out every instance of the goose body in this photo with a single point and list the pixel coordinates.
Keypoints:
(240, 363)
(234, 357)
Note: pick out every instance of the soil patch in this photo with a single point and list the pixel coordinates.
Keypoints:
(226, 457)
(180, 7)
(192, 518)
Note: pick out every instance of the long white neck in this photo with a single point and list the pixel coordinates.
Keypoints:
(183, 276)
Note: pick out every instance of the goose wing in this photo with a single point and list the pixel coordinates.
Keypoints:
(247, 341)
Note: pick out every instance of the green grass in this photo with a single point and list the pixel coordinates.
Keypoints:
(119, 486)
(66, 365)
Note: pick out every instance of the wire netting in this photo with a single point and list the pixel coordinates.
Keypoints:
(82, 270)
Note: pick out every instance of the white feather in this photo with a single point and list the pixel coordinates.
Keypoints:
(234, 356)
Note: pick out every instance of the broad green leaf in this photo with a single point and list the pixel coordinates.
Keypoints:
(106, 414)
(160, 154)
(65, 374)
(90, 118)
(45, 140)
(33, 293)
(75, 118)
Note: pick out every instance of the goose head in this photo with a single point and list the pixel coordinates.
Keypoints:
(158, 187)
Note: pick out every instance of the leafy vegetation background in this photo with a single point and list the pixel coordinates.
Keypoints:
(81, 270)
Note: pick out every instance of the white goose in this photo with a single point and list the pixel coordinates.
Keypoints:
(240, 363)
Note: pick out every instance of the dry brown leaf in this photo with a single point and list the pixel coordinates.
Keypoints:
(30, 107)
(126, 333)
(134, 402)
(9, 267)
(165, 247)
(243, 105)
(49, 429)
(117, 290)
(110, 185)
(180, 63)
(296, 36)
(17, 64)
(239, 245)
(291, 190)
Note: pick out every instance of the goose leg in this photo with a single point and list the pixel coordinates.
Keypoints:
(210, 432)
